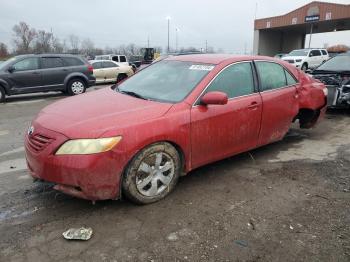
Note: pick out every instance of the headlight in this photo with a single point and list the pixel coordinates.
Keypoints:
(298, 60)
(88, 146)
(325, 91)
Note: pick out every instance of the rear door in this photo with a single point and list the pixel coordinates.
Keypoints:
(53, 71)
(218, 131)
(111, 71)
(279, 93)
(26, 75)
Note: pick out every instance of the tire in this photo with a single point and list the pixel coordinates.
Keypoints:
(121, 77)
(76, 86)
(144, 182)
(304, 67)
(2, 95)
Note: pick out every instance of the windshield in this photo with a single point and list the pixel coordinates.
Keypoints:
(166, 81)
(299, 53)
(337, 63)
(4, 64)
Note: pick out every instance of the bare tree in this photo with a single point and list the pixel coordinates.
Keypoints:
(3, 50)
(88, 47)
(23, 37)
(74, 43)
(43, 42)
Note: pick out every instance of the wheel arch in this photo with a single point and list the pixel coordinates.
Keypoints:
(70, 77)
(307, 117)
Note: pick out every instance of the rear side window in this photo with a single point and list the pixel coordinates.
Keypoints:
(122, 58)
(97, 65)
(236, 80)
(324, 52)
(27, 64)
(272, 75)
(51, 62)
(115, 58)
(315, 52)
(109, 64)
(290, 79)
(72, 61)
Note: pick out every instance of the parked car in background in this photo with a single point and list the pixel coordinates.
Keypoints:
(43, 73)
(335, 74)
(280, 55)
(107, 71)
(176, 115)
(307, 58)
(120, 59)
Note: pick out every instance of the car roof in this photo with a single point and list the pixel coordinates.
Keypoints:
(216, 59)
(102, 60)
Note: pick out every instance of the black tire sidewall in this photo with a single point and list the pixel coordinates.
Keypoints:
(70, 83)
(2, 97)
(129, 179)
(121, 77)
(304, 67)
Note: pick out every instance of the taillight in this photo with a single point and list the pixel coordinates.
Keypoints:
(90, 69)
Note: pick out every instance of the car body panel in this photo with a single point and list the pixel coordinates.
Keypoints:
(201, 134)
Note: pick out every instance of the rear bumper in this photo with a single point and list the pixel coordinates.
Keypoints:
(92, 177)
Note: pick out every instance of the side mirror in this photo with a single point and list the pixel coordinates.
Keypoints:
(310, 55)
(214, 98)
(11, 69)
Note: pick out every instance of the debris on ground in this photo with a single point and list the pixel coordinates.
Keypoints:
(241, 243)
(78, 233)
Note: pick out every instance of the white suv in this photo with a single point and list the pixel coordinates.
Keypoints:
(307, 58)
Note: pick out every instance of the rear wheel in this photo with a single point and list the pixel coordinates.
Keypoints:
(76, 87)
(152, 174)
(2, 95)
(121, 77)
(304, 67)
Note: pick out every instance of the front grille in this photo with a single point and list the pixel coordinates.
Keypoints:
(38, 142)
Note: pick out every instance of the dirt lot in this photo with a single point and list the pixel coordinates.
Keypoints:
(289, 201)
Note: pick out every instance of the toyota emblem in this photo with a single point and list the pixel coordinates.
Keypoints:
(30, 130)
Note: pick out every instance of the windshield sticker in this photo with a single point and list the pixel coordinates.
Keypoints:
(201, 67)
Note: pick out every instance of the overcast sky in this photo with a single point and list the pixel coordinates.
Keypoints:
(225, 24)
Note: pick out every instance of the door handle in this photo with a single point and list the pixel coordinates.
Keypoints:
(253, 105)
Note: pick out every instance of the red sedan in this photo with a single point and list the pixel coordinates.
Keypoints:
(137, 138)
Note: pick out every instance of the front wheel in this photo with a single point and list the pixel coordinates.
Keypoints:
(304, 67)
(76, 87)
(152, 174)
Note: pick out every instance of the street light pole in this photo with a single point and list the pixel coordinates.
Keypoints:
(168, 18)
(176, 43)
(311, 31)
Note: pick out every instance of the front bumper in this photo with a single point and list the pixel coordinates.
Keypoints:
(91, 82)
(92, 177)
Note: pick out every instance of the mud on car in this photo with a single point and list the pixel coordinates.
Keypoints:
(137, 138)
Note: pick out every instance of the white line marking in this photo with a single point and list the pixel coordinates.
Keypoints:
(4, 132)
(11, 152)
(13, 165)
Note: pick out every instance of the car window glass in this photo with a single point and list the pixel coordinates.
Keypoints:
(109, 64)
(290, 79)
(72, 61)
(97, 65)
(236, 80)
(115, 58)
(51, 62)
(122, 58)
(315, 52)
(324, 52)
(27, 64)
(271, 75)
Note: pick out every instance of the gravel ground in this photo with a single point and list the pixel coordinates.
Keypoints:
(288, 201)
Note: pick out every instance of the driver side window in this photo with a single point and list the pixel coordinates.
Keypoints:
(27, 64)
(236, 80)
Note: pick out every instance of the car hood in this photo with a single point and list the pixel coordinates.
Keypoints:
(92, 114)
(292, 57)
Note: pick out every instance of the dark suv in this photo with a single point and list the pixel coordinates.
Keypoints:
(42, 73)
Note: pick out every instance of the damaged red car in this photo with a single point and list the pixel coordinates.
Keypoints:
(137, 138)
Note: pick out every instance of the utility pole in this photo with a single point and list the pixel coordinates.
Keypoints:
(168, 18)
(206, 46)
(312, 27)
(148, 41)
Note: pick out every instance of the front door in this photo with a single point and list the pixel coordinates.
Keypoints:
(219, 131)
(26, 75)
(280, 101)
